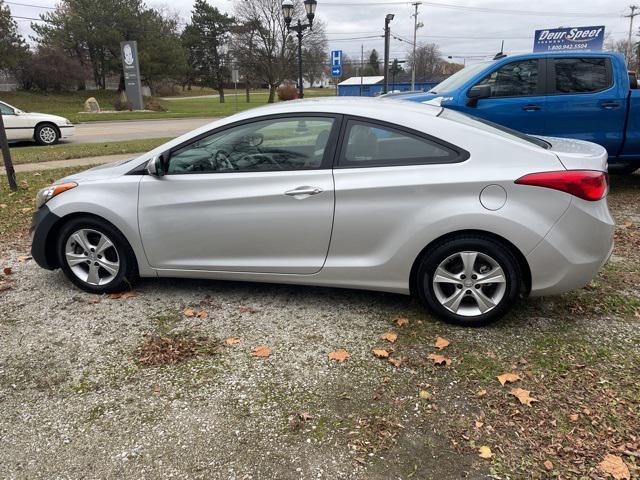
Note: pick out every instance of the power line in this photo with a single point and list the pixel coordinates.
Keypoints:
(29, 5)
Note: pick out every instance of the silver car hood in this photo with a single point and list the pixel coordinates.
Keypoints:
(578, 154)
(102, 172)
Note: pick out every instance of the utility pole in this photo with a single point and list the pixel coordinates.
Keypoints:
(361, 67)
(416, 26)
(387, 32)
(6, 155)
(630, 17)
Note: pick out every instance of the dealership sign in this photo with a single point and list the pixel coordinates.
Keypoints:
(571, 38)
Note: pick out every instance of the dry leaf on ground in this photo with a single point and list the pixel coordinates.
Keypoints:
(481, 393)
(523, 395)
(380, 353)
(425, 395)
(261, 351)
(24, 258)
(439, 359)
(122, 295)
(248, 310)
(189, 312)
(396, 362)
(229, 342)
(441, 343)
(485, 452)
(548, 465)
(402, 322)
(339, 355)
(508, 378)
(389, 336)
(615, 466)
(7, 270)
(202, 314)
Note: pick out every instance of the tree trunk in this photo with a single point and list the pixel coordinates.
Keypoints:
(272, 93)
(221, 93)
(247, 90)
(121, 85)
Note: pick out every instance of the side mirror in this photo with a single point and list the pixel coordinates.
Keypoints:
(156, 165)
(476, 93)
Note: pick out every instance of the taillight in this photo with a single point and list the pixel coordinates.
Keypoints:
(586, 184)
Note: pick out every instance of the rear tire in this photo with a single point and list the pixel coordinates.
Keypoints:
(469, 280)
(623, 168)
(95, 256)
(47, 134)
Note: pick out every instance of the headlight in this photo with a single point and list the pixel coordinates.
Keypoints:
(69, 122)
(48, 193)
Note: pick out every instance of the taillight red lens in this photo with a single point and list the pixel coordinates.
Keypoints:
(586, 184)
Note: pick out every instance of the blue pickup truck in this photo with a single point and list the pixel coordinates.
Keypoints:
(584, 95)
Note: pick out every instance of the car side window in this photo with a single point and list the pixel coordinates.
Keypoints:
(515, 79)
(581, 75)
(294, 143)
(6, 110)
(373, 145)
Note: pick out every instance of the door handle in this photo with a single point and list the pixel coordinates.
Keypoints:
(609, 105)
(303, 191)
(531, 108)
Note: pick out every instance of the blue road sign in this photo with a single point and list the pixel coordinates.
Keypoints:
(336, 71)
(336, 58)
(571, 38)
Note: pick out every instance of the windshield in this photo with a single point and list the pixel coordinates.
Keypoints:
(459, 78)
(494, 128)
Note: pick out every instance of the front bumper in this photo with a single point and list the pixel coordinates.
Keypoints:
(42, 243)
(67, 131)
(575, 249)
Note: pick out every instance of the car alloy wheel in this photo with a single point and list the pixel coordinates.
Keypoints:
(48, 134)
(92, 257)
(469, 283)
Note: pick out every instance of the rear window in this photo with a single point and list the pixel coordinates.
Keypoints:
(494, 128)
(581, 75)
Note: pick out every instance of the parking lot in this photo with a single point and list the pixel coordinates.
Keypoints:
(168, 382)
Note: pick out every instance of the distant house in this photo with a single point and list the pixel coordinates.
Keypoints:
(372, 86)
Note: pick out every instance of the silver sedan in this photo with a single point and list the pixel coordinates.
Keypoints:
(357, 193)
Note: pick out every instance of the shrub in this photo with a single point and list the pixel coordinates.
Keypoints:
(287, 91)
(121, 103)
(153, 105)
(165, 88)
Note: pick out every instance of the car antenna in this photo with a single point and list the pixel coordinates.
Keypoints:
(501, 53)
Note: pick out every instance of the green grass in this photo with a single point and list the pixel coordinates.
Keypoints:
(22, 155)
(71, 104)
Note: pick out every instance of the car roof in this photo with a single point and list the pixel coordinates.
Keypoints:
(359, 106)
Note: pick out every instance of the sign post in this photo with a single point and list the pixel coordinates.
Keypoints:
(586, 39)
(336, 66)
(6, 154)
(235, 78)
(132, 73)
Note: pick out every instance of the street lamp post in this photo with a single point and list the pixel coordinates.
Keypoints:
(387, 31)
(299, 27)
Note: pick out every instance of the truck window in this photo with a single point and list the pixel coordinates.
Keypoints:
(581, 75)
(514, 79)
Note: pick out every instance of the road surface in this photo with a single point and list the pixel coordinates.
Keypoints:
(134, 129)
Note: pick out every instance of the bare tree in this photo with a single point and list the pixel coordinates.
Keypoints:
(243, 51)
(620, 46)
(314, 52)
(428, 61)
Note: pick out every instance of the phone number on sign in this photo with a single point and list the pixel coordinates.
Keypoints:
(569, 46)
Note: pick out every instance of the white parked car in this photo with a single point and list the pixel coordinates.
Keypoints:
(45, 129)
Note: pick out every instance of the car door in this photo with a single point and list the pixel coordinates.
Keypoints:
(257, 196)
(584, 102)
(517, 96)
(13, 124)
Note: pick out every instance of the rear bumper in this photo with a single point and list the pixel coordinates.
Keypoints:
(42, 223)
(574, 250)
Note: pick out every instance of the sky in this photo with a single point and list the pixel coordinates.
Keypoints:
(467, 30)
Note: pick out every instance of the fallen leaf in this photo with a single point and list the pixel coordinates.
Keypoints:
(231, 341)
(389, 336)
(248, 310)
(94, 299)
(339, 355)
(508, 378)
(481, 393)
(396, 362)
(7, 270)
(441, 343)
(122, 295)
(24, 258)
(478, 425)
(439, 359)
(425, 395)
(380, 353)
(523, 396)
(26, 210)
(402, 322)
(202, 314)
(305, 416)
(574, 417)
(261, 351)
(189, 312)
(485, 452)
(3, 205)
(615, 466)
(548, 465)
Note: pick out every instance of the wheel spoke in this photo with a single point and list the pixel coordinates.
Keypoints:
(93, 277)
(74, 259)
(484, 302)
(468, 261)
(111, 267)
(453, 302)
(103, 244)
(494, 276)
(444, 276)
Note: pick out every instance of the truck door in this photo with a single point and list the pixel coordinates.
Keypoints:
(517, 96)
(584, 102)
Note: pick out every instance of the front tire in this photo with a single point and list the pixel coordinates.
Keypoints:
(469, 280)
(95, 256)
(47, 134)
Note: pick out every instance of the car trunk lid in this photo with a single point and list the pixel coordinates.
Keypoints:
(578, 154)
